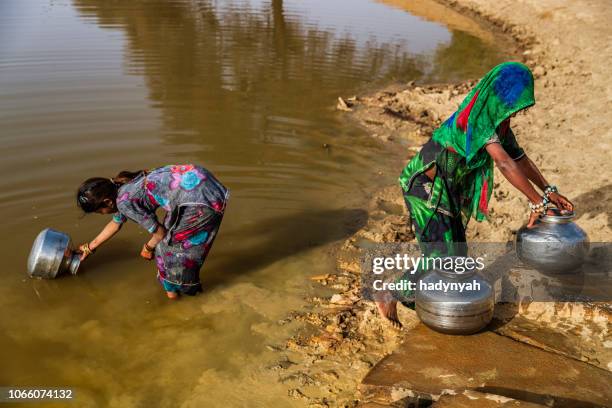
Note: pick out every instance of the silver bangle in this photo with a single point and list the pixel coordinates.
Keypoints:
(539, 207)
(549, 190)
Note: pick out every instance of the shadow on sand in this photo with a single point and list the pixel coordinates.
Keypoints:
(595, 202)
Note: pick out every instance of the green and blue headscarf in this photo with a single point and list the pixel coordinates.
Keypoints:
(505, 90)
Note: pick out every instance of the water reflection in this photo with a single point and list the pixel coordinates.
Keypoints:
(251, 82)
(244, 77)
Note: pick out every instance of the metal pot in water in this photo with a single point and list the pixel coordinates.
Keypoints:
(52, 254)
(555, 244)
(452, 311)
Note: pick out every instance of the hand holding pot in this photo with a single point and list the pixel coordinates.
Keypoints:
(561, 202)
(534, 216)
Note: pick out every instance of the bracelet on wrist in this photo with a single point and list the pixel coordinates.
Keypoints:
(148, 248)
(548, 190)
(86, 249)
(539, 207)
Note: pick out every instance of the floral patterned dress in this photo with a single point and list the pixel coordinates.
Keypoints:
(194, 201)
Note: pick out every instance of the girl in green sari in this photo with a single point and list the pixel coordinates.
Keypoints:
(450, 180)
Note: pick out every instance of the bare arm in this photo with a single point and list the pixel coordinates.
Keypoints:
(157, 236)
(531, 171)
(514, 174)
(107, 233)
(148, 250)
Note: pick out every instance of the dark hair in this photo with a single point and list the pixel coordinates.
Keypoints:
(94, 191)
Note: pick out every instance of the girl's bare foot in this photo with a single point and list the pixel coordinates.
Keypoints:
(172, 295)
(388, 310)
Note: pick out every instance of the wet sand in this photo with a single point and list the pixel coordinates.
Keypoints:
(567, 134)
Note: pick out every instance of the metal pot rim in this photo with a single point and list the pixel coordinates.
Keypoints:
(558, 219)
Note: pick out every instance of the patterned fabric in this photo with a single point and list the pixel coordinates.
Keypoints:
(431, 225)
(194, 201)
(438, 232)
(456, 147)
(179, 260)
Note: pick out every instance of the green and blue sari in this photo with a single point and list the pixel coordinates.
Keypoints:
(440, 208)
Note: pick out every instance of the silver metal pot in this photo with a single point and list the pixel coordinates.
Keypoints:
(455, 312)
(554, 245)
(52, 254)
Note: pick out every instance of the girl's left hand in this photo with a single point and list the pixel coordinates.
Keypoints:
(561, 202)
(146, 253)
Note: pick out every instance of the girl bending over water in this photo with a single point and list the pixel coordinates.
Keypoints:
(194, 201)
(451, 179)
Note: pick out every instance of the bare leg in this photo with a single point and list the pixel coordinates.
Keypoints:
(172, 295)
(387, 308)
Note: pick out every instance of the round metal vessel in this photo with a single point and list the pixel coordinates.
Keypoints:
(52, 254)
(455, 312)
(554, 245)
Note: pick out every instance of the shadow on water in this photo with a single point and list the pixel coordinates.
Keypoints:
(282, 237)
(273, 239)
(115, 252)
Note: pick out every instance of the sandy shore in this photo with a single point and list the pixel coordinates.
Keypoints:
(568, 46)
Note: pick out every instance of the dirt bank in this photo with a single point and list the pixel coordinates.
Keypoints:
(567, 45)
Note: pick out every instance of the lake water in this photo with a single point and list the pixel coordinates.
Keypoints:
(245, 88)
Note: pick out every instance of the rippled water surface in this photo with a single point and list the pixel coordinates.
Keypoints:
(245, 88)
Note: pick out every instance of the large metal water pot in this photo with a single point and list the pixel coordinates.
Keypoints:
(52, 254)
(554, 245)
(454, 311)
